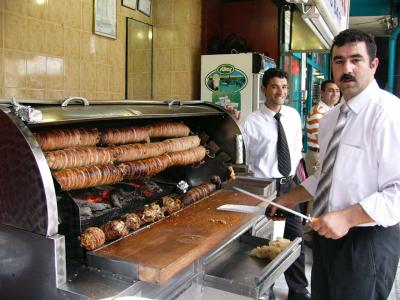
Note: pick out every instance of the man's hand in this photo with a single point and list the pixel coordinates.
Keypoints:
(337, 224)
(333, 225)
(290, 200)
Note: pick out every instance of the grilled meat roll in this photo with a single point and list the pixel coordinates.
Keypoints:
(114, 229)
(125, 135)
(145, 167)
(187, 157)
(181, 144)
(197, 193)
(152, 213)
(78, 157)
(138, 151)
(169, 129)
(132, 221)
(170, 205)
(84, 177)
(92, 238)
(65, 138)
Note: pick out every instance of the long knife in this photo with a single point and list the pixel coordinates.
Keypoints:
(270, 202)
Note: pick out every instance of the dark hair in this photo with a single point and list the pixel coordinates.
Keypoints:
(354, 35)
(325, 83)
(271, 73)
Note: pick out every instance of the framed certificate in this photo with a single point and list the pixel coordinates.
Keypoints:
(132, 4)
(105, 18)
(144, 6)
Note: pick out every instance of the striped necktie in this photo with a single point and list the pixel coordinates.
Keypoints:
(282, 149)
(321, 198)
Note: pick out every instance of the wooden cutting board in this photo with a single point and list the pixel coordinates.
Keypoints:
(169, 246)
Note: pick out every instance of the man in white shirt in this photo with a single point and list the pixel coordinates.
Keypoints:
(357, 235)
(261, 137)
(330, 95)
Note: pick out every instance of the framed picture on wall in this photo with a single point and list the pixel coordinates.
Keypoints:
(105, 18)
(132, 4)
(144, 6)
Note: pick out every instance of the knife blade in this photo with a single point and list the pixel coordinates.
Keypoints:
(248, 209)
(308, 219)
(255, 210)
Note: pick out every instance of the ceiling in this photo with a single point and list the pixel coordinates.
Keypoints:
(377, 17)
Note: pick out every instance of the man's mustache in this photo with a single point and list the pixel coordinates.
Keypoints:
(347, 77)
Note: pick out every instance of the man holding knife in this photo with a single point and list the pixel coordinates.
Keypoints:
(356, 190)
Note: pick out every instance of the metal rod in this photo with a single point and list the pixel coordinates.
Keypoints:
(269, 201)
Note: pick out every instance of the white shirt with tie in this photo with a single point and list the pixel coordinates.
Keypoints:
(260, 135)
(367, 166)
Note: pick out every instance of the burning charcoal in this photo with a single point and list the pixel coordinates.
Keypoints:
(94, 206)
(132, 221)
(92, 238)
(152, 213)
(85, 211)
(116, 198)
(170, 205)
(114, 229)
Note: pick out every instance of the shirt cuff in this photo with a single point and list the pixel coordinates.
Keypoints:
(375, 205)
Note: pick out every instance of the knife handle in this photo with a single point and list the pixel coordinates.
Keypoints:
(279, 213)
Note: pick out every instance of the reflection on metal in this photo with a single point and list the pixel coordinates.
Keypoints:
(82, 100)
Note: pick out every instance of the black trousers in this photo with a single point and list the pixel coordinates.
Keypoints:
(360, 265)
(295, 274)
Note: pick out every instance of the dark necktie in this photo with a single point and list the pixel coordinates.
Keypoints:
(282, 149)
(321, 198)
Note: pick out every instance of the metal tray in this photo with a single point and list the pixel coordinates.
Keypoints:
(233, 270)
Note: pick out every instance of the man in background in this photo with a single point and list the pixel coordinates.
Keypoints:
(330, 95)
(273, 139)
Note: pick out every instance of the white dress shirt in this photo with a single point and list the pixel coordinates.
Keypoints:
(367, 167)
(260, 135)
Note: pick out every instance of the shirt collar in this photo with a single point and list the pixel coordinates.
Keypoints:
(358, 102)
(270, 113)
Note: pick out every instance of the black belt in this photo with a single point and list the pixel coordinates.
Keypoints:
(313, 149)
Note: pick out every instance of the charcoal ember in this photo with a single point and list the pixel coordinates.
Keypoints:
(114, 229)
(170, 205)
(152, 213)
(85, 211)
(116, 198)
(94, 206)
(132, 221)
(92, 238)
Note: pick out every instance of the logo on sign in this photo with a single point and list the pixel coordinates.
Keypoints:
(226, 78)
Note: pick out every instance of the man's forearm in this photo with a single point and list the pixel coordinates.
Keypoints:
(356, 215)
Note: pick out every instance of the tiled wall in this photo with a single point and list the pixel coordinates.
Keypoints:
(177, 33)
(139, 64)
(48, 51)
